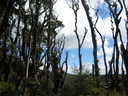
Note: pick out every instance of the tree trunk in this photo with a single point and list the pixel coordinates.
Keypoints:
(29, 54)
(86, 8)
(49, 38)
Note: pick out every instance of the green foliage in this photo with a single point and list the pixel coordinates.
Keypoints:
(84, 83)
(79, 84)
(6, 89)
(45, 89)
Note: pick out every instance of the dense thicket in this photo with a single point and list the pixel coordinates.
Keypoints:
(28, 42)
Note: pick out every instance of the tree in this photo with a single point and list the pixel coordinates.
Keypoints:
(58, 74)
(94, 41)
(83, 82)
(103, 41)
(115, 14)
(25, 43)
(75, 8)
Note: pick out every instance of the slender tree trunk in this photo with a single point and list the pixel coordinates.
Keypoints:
(35, 39)
(86, 8)
(117, 66)
(115, 13)
(5, 59)
(112, 84)
(106, 69)
(123, 49)
(75, 8)
(23, 37)
(78, 39)
(30, 39)
(49, 46)
(29, 54)
(49, 38)
(18, 26)
(104, 54)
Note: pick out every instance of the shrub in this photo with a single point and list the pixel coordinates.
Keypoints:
(6, 89)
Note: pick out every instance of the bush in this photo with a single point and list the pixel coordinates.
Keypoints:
(83, 84)
(6, 89)
(79, 84)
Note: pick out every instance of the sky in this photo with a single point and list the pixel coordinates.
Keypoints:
(66, 15)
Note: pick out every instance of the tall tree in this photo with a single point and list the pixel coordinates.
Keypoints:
(94, 41)
(75, 8)
(116, 16)
(58, 75)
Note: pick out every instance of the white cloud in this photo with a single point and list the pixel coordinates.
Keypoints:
(69, 71)
(72, 55)
(104, 26)
(101, 64)
(96, 3)
(108, 51)
(88, 67)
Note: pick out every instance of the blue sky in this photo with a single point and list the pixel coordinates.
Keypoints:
(66, 15)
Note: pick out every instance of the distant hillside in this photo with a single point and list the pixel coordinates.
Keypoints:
(69, 78)
(102, 78)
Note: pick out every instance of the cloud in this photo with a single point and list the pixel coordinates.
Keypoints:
(72, 55)
(101, 64)
(69, 71)
(108, 51)
(104, 26)
(88, 67)
(96, 3)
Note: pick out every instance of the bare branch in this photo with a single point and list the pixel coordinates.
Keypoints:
(103, 41)
(84, 36)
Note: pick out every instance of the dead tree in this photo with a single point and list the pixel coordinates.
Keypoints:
(75, 7)
(103, 41)
(104, 54)
(94, 41)
(116, 16)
